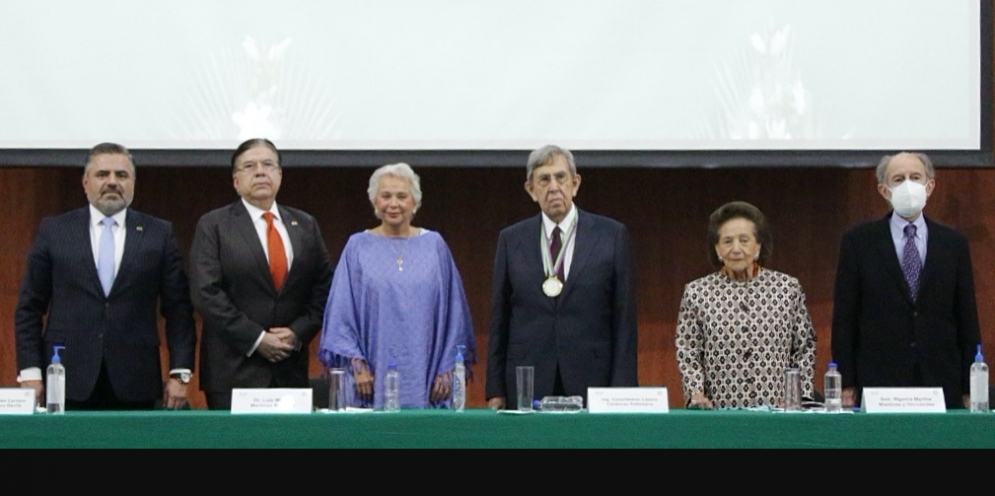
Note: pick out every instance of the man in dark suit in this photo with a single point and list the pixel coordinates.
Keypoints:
(259, 276)
(100, 273)
(563, 298)
(904, 311)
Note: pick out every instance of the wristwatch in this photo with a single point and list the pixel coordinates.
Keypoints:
(183, 377)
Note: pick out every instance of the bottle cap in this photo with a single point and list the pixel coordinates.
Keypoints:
(55, 355)
(978, 357)
(459, 352)
(832, 364)
(391, 365)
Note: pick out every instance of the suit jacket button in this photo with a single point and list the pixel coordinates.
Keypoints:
(913, 345)
(107, 304)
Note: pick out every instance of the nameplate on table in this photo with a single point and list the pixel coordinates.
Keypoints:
(17, 401)
(271, 400)
(628, 400)
(903, 400)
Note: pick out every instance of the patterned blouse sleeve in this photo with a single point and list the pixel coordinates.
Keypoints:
(688, 344)
(803, 341)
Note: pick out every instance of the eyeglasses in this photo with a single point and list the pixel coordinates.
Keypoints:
(266, 165)
(561, 178)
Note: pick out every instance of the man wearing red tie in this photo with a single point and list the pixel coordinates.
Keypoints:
(259, 277)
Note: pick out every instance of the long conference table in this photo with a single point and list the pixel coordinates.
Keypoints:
(481, 428)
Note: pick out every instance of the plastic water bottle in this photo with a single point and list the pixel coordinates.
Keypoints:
(459, 381)
(833, 385)
(979, 383)
(392, 389)
(55, 384)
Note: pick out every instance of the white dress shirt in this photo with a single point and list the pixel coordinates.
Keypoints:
(118, 229)
(568, 244)
(898, 235)
(259, 222)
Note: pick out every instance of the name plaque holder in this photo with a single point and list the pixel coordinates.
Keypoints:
(628, 400)
(271, 400)
(17, 401)
(903, 400)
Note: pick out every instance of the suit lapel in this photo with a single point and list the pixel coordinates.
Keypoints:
(296, 243)
(243, 224)
(584, 242)
(134, 237)
(79, 234)
(886, 250)
(523, 252)
(935, 250)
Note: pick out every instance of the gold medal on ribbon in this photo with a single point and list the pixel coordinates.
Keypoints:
(552, 286)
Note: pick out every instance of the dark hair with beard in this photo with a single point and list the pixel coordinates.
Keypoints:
(111, 148)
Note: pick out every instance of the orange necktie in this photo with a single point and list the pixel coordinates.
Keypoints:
(277, 254)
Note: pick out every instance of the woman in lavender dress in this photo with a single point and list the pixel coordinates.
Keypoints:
(397, 298)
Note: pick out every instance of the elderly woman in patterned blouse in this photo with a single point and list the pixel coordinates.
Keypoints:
(740, 327)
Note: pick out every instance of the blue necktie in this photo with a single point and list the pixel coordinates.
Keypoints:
(105, 260)
(911, 264)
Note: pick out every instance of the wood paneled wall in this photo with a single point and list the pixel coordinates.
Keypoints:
(666, 211)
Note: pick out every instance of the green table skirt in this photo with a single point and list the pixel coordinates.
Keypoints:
(488, 429)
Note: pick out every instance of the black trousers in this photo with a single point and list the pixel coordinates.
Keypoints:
(103, 397)
(218, 401)
(558, 384)
(222, 401)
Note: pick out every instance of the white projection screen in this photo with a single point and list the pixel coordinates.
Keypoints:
(479, 83)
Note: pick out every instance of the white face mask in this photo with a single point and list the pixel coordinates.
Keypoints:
(908, 198)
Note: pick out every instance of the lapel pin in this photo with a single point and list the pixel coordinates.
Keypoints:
(139, 228)
(293, 222)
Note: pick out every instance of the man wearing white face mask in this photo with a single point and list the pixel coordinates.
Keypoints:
(904, 311)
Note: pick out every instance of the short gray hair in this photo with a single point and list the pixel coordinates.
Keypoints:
(885, 160)
(545, 155)
(399, 170)
(111, 149)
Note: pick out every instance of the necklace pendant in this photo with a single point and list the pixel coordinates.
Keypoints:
(400, 263)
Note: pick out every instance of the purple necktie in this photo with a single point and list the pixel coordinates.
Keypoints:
(911, 264)
(555, 245)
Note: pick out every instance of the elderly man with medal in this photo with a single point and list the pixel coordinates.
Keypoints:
(565, 305)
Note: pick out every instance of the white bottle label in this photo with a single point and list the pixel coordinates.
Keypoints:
(979, 387)
(55, 392)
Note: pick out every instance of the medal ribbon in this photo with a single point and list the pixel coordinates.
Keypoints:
(547, 265)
